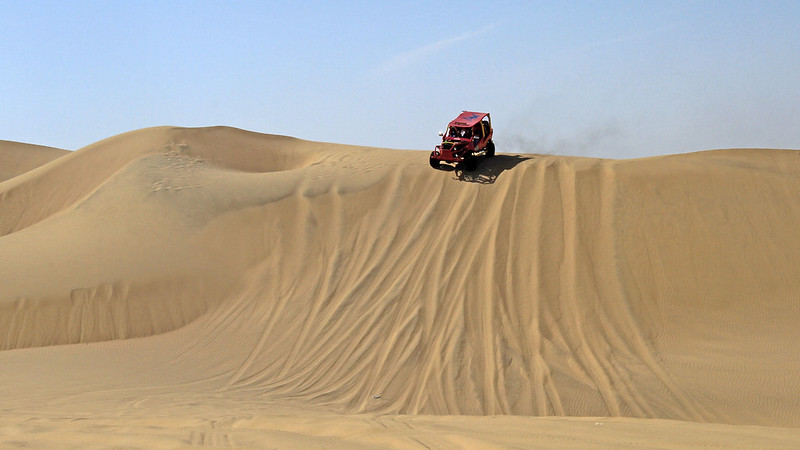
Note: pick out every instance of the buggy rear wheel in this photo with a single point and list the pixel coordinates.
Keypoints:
(490, 149)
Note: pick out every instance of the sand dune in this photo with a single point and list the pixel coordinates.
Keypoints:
(174, 287)
(17, 158)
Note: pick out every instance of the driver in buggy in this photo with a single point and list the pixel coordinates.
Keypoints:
(477, 133)
(463, 133)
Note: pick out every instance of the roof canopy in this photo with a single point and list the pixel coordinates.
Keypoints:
(467, 119)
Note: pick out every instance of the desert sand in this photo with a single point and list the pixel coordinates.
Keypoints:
(17, 158)
(174, 287)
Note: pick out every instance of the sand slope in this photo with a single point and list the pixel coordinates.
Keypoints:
(216, 276)
(17, 158)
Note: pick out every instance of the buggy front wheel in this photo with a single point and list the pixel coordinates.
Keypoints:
(470, 162)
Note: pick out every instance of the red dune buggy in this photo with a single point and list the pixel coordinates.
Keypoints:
(467, 136)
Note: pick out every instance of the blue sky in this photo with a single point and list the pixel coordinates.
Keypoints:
(592, 78)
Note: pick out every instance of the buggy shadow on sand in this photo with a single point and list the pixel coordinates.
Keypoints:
(490, 169)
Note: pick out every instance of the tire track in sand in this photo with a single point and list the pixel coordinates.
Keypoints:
(568, 295)
(612, 289)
